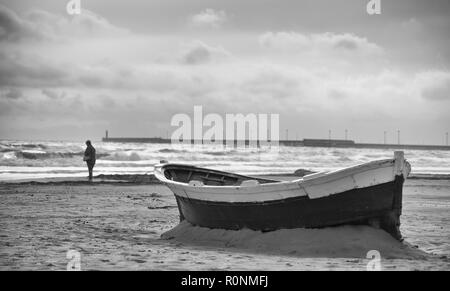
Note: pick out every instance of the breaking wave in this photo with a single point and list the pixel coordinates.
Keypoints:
(166, 150)
(133, 156)
(33, 155)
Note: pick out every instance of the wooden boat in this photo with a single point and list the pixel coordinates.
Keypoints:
(369, 193)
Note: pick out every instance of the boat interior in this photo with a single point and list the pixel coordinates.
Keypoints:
(199, 177)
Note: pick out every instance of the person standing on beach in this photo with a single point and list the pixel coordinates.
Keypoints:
(89, 158)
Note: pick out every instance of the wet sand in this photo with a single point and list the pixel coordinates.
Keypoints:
(121, 225)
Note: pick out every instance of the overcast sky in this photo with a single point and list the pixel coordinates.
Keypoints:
(128, 66)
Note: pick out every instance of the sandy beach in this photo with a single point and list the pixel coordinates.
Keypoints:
(126, 223)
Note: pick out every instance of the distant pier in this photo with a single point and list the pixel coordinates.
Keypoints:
(334, 143)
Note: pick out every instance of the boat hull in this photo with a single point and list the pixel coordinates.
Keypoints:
(369, 193)
(378, 205)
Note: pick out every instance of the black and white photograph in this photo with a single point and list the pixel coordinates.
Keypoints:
(224, 135)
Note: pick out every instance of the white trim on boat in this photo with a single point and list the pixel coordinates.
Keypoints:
(314, 186)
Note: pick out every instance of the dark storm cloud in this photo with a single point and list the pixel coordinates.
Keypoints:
(91, 81)
(20, 70)
(200, 53)
(52, 94)
(12, 27)
(13, 93)
(30, 70)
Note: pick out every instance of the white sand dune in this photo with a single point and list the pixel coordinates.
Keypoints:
(333, 242)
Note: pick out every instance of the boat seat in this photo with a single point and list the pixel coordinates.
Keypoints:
(214, 179)
(196, 183)
(249, 183)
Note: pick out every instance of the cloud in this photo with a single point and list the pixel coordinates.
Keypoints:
(274, 82)
(31, 70)
(52, 94)
(435, 85)
(200, 53)
(298, 42)
(337, 94)
(17, 69)
(13, 27)
(43, 25)
(412, 24)
(209, 18)
(92, 24)
(13, 93)
(107, 101)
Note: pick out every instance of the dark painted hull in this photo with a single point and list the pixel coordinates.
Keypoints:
(378, 205)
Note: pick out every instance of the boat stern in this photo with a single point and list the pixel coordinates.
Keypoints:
(390, 222)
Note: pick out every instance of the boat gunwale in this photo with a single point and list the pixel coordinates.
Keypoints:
(331, 176)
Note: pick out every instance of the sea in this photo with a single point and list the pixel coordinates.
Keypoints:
(22, 160)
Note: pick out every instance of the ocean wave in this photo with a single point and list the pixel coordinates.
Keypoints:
(43, 155)
(34, 155)
(133, 156)
(8, 155)
(216, 153)
(166, 150)
(12, 146)
(31, 146)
